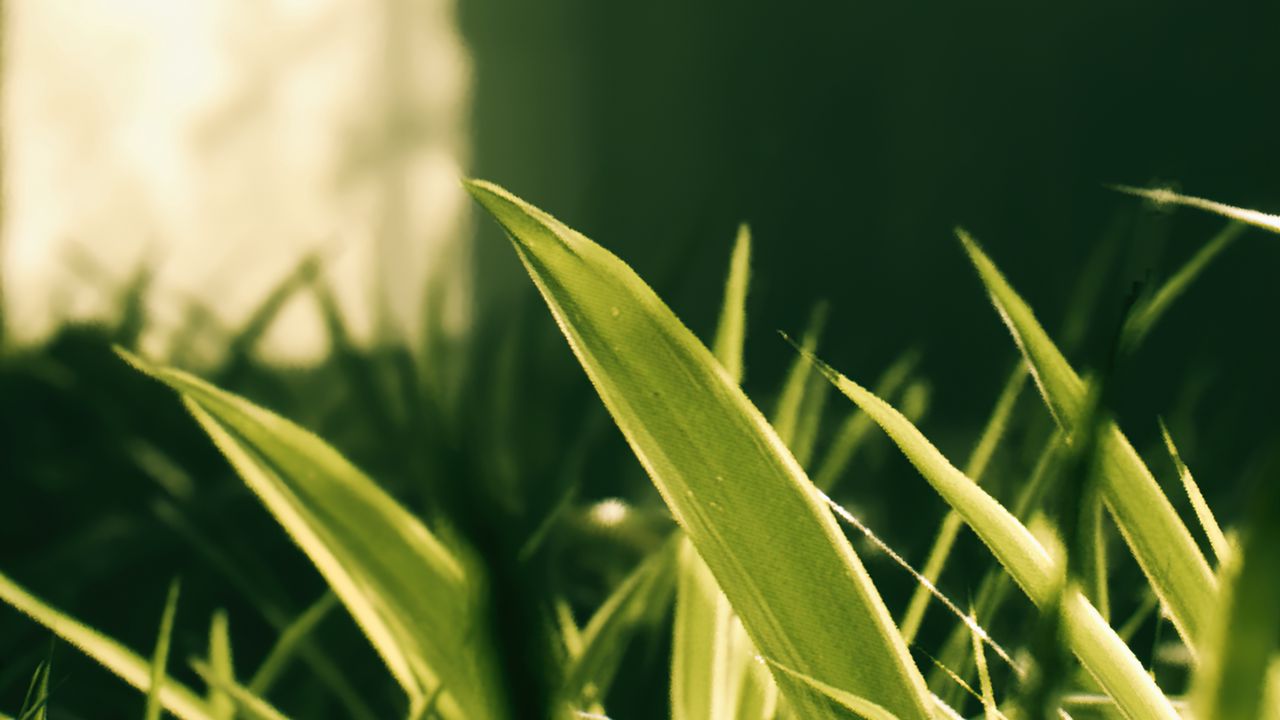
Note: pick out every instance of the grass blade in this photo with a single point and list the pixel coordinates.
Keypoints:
(247, 703)
(410, 594)
(120, 660)
(607, 634)
(936, 560)
(989, 710)
(1101, 652)
(1160, 542)
(290, 642)
(713, 676)
(858, 705)
(1140, 322)
(1169, 197)
(1245, 640)
(791, 401)
(1213, 531)
(857, 427)
(221, 705)
(731, 332)
(160, 658)
(789, 587)
(35, 706)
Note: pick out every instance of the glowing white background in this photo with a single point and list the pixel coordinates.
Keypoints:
(218, 141)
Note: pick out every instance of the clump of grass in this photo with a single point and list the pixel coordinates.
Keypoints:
(775, 613)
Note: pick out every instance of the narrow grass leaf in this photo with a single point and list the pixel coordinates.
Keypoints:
(731, 332)
(1108, 659)
(125, 663)
(702, 686)
(1160, 542)
(1234, 680)
(35, 706)
(221, 705)
(409, 593)
(160, 658)
(248, 704)
(1168, 197)
(940, 551)
(1209, 524)
(611, 628)
(721, 469)
(1139, 323)
(786, 418)
(989, 710)
(858, 705)
(855, 430)
(290, 643)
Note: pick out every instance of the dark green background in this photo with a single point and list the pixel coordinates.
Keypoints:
(853, 136)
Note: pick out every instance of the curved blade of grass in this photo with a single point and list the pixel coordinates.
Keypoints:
(702, 678)
(786, 417)
(120, 660)
(290, 642)
(1245, 639)
(720, 467)
(221, 705)
(1169, 197)
(1158, 539)
(989, 707)
(607, 634)
(1140, 322)
(247, 703)
(409, 594)
(857, 427)
(1213, 531)
(858, 705)
(160, 658)
(995, 587)
(35, 706)
(731, 332)
(936, 560)
(1103, 654)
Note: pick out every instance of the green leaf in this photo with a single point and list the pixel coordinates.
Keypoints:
(1169, 197)
(984, 677)
(731, 332)
(160, 658)
(1244, 642)
(936, 560)
(247, 703)
(413, 598)
(125, 663)
(706, 682)
(1140, 322)
(851, 434)
(221, 705)
(611, 628)
(858, 705)
(1213, 531)
(787, 416)
(1158, 539)
(721, 469)
(1103, 654)
(35, 706)
(713, 675)
(290, 642)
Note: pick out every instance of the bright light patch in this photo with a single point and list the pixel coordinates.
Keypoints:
(609, 512)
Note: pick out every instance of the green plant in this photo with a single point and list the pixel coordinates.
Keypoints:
(776, 615)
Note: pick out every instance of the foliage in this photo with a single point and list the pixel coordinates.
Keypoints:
(484, 576)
